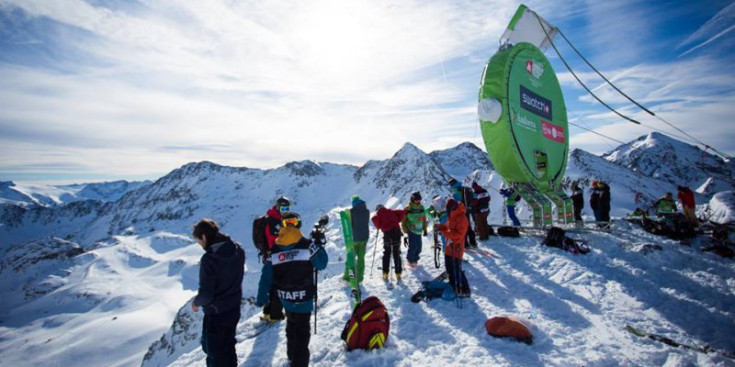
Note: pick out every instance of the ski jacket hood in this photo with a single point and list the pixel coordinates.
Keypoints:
(288, 236)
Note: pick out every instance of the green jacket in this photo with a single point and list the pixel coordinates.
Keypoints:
(415, 220)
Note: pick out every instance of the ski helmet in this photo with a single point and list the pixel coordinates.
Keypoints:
(416, 196)
(291, 219)
(452, 205)
(379, 206)
(283, 204)
(452, 181)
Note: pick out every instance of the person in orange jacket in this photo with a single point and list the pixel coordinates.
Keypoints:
(455, 231)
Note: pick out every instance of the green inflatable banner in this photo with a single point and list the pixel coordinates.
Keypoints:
(523, 117)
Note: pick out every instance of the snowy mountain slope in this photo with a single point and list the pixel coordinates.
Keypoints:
(102, 307)
(462, 160)
(624, 183)
(140, 266)
(721, 208)
(28, 195)
(659, 156)
(577, 307)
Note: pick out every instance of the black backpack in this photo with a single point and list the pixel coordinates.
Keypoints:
(260, 225)
(555, 237)
(508, 231)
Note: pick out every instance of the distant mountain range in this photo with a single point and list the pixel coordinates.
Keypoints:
(67, 260)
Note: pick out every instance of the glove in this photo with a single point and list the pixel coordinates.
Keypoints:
(425, 233)
(314, 248)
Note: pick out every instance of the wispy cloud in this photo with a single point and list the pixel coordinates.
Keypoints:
(141, 88)
(717, 27)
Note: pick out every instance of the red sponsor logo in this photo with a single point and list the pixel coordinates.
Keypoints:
(529, 67)
(552, 132)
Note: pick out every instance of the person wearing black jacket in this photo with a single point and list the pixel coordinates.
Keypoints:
(577, 202)
(481, 210)
(221, 269)
(595, 200)
(604, 202)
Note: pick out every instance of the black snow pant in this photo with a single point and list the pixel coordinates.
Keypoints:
(578, 214)
(273, 307)
(392, 247)
(457, 279)
(218, 338)
(298, 333)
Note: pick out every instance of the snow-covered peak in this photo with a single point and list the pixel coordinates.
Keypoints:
(659, 156)
(305, 168)
(461, 160)
(722, 207)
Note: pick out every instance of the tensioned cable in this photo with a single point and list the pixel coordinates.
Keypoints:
(706, 146)
(600, 74)
(595, 132)
(576, 77)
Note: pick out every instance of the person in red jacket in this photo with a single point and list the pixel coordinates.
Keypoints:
(388, 221)
(455, 230)
(686, 198)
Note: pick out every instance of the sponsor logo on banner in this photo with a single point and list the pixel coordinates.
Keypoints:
(534, 103)
(534, 69)
(524, 121)
(552, 132)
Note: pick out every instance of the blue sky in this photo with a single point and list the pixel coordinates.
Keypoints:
(103, 90)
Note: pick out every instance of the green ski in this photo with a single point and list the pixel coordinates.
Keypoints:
(346, 221)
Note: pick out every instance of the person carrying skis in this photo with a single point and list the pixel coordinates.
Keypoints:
(289, 269)
(414, 225)
(604, 206)
(438, 213)
(595, 200)
(455, 230)
(577, 202)
(388, 221)
(665, 206)
(465, 196)
(511, 198)
(221, 269)
(273, 309)
(481, 210)
(360, 217)
(686, 198)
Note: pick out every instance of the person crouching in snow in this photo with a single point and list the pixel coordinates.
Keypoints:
(220, 290)
(290, 269)
(455, 231)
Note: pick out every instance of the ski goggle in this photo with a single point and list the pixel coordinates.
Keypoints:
(284, 208)
(293, 222)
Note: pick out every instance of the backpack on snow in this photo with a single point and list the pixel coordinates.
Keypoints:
(260, 225)
(368, 327)
(508, 231)
(556, 237)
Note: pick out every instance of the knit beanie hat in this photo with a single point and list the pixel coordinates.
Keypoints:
(355, 200)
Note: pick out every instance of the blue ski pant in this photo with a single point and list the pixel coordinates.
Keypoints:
(512, 215)
(414, 247)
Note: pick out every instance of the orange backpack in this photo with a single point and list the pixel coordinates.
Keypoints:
(368, 327)
(508, 327)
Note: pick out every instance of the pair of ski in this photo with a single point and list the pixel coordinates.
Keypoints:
(706, 349)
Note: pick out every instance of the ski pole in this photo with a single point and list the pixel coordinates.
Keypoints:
(375, 247)
(316, 296)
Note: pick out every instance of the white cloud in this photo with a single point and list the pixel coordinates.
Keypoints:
(260, 83)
